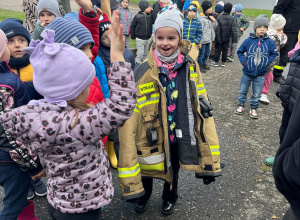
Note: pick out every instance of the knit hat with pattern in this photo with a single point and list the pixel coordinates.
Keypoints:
(104, 24)
(69, 31)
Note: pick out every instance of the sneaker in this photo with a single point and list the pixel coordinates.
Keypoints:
(30, 194)
(239, 110)
(270, 161)
(214, 63)
(38, 187)
(202, 69)
(279, 80)
(223, 64)
(230, 58)
(206, 67)
(264, 99)
(253, 113)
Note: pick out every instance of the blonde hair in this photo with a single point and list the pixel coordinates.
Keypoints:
(79, 103)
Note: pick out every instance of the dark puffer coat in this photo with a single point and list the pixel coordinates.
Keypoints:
(226, 28)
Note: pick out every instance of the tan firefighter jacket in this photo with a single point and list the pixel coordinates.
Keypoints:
(196, 137)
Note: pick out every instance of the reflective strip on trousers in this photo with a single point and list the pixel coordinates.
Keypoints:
(128, 172)
(215, 150)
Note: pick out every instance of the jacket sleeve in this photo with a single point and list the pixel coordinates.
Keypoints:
(132, 27)
(287, 161)
(21, 94)
(234, 32)
(113, 112)
(218, 33)
(209, 150)
(273, 52)
(92, 24)
(246, 23)
(155, 11)
(241, 53)
(38, 29)
(101, 76)
(199, 33)
(281, 6)
(291, 53)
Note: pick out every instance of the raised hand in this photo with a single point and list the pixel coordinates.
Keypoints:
(86, 5)
(117, 40)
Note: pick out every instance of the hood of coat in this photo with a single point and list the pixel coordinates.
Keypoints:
(296, 57)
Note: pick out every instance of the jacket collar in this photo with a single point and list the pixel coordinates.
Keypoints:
(253, 36)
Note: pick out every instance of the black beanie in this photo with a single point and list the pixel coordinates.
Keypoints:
(206, 5)
(143, 5)
(227, 7)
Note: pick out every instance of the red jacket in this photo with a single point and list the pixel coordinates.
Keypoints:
(92, 24)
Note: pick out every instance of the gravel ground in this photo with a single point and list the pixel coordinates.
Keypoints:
(246, 191)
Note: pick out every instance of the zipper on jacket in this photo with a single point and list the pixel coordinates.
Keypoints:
(189, 30)
(146, 25)
(256, 66)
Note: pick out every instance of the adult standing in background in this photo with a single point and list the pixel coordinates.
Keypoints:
(290, 10)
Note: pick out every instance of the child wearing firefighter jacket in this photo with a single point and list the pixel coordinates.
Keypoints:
(171, 125)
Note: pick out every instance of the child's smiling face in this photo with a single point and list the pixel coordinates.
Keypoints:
(46, 17)
(167, 40)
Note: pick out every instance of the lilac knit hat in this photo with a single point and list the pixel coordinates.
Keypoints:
(60, 71)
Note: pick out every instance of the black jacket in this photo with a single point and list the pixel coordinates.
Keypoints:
(290, 90)
(226, 28)
(290, 9)
(141, 26)
(286, 166)
(156, 9)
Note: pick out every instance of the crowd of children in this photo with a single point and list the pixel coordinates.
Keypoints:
(55, 116)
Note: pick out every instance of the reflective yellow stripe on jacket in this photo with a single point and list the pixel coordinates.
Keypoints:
(201, 89)
(155, 162)
(130, 171)
(154, 98)
(215, 150)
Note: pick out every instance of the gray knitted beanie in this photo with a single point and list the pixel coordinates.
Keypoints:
(261, 20)
(48, 5)
(171, 17)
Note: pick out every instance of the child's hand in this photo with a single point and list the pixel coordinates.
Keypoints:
(117, 40)
(86, 5)
(212, 18)
(43, 23)
(39, 175)
(242, 29)
(199, 46)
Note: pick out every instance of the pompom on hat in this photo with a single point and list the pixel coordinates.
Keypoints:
(53, 66)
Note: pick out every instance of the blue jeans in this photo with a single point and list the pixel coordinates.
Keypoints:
(203, 54)
(16, 185)
(257, 85)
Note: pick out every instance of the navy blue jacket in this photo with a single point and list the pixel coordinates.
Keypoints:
(260, 53)
(104, 54)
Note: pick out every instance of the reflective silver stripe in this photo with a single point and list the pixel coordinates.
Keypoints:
(128, 171)
(147, 100)
(214, 150)
(152, 159)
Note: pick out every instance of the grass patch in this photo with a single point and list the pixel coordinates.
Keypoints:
(137, 1)
(4, 14)
(132, 43)
(265, 168)
(255, 12)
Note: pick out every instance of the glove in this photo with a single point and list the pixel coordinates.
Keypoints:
(208, 180)
(205, 106)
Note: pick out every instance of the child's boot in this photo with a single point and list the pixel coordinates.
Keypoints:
(28, 212)
(38, 187)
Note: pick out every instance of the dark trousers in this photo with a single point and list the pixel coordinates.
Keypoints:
(286, 115)
(168, 195)
(284, 59)
(221, 47)
(16, 185)
(289, 215)
(57, 215)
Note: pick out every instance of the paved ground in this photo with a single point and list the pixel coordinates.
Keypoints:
(246, 190)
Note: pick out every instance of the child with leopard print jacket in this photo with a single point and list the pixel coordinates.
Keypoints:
(66, 132)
